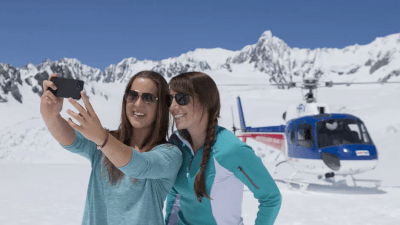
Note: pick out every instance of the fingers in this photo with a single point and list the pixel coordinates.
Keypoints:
(88, 105)
(53, 75)
(76, 116)
(49, 95)
(74, 125)
(47, 100)
(48, 84)
(77, 106)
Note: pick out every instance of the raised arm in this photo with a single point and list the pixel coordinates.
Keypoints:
(153, 164)
(117, 152)
(163, 161)
(50, 108)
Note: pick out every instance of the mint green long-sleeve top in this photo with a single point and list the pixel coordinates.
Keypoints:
(129, 202)
(231, 165)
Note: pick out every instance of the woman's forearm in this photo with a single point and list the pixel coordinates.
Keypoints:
(60, 130)
(117, 152)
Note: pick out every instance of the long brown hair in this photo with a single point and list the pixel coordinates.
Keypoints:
(200, 86)
(158, 132)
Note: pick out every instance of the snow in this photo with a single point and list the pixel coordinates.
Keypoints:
(214, 57)
(44, 184)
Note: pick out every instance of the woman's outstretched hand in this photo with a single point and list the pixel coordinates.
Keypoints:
(90, 127)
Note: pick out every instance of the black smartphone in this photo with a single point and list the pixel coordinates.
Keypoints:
(67, 87)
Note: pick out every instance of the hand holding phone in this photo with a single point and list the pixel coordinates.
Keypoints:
(54, 91)
(50, 105)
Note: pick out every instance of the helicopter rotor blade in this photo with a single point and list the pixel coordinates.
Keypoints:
(247, 84)
(330, 83)
(290, 84)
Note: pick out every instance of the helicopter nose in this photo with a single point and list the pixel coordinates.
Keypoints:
(331, 160)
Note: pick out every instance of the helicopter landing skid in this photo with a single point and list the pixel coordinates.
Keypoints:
(291, 183)
(375, 183)
(276, 166)
(301, 185)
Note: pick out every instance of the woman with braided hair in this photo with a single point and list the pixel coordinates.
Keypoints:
(216, 164)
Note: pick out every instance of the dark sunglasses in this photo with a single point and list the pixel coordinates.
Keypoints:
(132, 96)
(180, 98)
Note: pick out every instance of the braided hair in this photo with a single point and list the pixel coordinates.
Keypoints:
(201, 86)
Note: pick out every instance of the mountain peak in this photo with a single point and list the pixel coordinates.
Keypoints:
(268, 38)
(266, 35)
(47, 60)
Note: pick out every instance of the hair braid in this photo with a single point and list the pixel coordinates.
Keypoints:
(203, 88)
(200, 182)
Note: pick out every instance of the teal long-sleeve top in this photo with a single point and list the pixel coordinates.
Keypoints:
(128, 202)
(231, 165)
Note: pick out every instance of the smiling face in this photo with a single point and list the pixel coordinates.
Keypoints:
(187, 116)
(140, 114)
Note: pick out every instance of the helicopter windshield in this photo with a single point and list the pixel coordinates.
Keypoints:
(336, 132)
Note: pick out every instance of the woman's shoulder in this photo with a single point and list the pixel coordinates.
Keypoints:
(227, 143)
(225, 137)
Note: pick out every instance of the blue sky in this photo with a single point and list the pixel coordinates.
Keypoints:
(100, 33)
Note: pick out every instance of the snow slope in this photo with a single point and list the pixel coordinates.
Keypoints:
(44, 184)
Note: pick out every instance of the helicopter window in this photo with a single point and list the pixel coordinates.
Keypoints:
(321, 110)
(355, 129)
(336, 132)
(304, 135)
(292, 134)
(365, 134)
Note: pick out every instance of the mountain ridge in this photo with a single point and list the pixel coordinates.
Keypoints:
(376, 61)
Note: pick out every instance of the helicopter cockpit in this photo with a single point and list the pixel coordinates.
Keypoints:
(334, 132)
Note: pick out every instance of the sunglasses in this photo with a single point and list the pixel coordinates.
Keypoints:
(133, 96)
(180, 98)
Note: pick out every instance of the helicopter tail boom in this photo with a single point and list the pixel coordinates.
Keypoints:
(241, 115)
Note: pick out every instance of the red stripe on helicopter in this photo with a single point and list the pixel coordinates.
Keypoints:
(276, 141)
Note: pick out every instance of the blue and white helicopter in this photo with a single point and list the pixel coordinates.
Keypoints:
(316, 141)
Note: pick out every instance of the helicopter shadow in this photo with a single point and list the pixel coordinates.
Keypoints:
(337, 188)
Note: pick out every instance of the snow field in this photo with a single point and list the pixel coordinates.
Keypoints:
(43, 184)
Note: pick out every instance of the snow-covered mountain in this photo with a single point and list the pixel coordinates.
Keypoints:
(31, 157)
(377, 61)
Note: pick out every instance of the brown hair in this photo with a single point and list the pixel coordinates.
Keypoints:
(158, 132)
(200, 86)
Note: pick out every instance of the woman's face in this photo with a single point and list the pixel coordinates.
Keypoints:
(140, 114)
(186, 116)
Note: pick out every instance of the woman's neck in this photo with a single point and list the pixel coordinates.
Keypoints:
(198, 136)
(139, 135)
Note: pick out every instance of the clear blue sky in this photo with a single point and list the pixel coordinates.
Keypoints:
(100, 33)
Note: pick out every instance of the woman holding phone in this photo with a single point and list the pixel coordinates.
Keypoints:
(216, 164)
(133, 167)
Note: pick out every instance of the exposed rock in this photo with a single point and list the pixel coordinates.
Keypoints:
(379, 64)
(352, 71)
